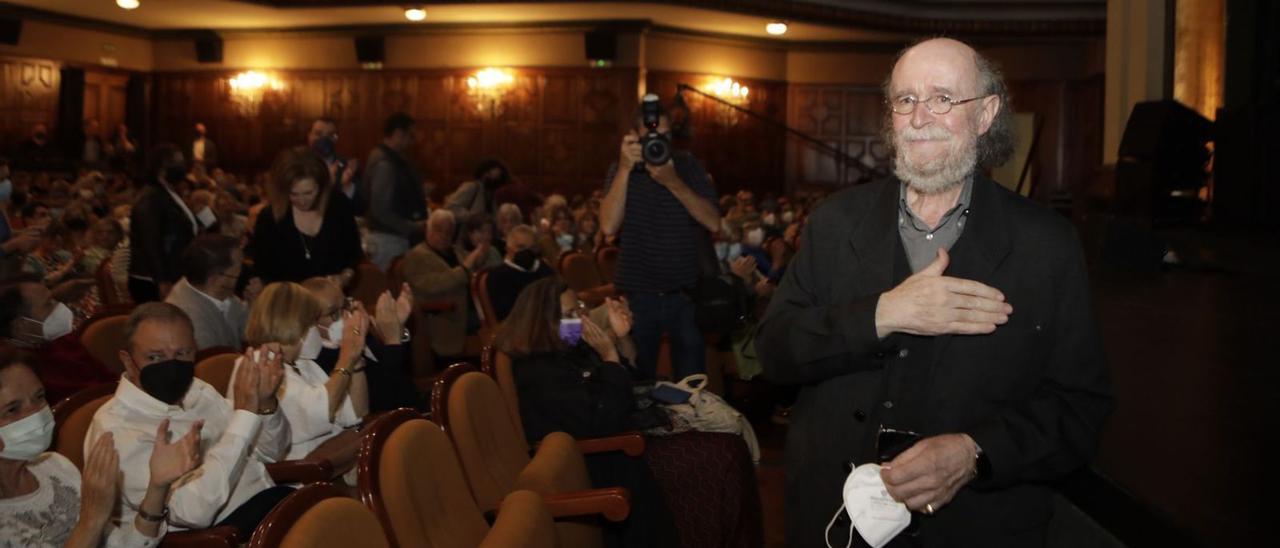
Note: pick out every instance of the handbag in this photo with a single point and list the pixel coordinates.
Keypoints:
(708, 412)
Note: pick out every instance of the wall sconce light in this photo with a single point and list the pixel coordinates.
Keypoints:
(729, 90)
(415, 13)
(488, 87)
(776, 28)
(250, 87)
(128, 4)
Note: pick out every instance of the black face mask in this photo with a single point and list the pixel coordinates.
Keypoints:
(175, 174)
(525, 258)
(167, 381)
(324, 146)
(40, 135)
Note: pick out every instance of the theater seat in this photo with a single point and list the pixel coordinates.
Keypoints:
(103, 338)
(495, 457)
(411, 479)
(72, 417)
(369, 283)
(216, 370)
(579, 271)
(607, 262)
(319, 515)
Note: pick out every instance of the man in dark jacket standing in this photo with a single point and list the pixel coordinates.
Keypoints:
(939, 311)
(397, 206)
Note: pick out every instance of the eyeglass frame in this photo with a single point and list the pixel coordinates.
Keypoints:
(952, 103)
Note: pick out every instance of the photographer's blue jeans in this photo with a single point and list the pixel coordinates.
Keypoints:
(673, 314)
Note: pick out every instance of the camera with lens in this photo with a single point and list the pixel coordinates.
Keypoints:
(655, 147)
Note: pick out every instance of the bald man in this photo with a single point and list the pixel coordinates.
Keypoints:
(940, 326)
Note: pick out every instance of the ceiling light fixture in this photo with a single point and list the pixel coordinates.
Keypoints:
(415, 13)
(776, 28)
(128, 4)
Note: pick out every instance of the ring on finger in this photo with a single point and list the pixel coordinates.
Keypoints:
(928, 509)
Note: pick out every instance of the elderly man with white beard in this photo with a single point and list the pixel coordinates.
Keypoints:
(941, 331)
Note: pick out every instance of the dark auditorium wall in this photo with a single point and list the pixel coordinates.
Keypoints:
(559, 127)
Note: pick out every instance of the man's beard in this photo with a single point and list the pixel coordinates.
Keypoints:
(950, 168)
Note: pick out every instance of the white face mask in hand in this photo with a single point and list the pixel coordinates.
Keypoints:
(877, 517)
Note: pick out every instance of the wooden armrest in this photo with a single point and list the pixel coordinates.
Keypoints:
(631, 443)
(614, 503)
(214, 537)
(437, 307)
(301, 471)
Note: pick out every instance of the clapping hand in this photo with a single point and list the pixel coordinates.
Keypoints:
(171, 460)
(391, 314)
(600, 341)
(620, 318)
(98, 483)
(355, 329)
(743, 267)
(270, 373)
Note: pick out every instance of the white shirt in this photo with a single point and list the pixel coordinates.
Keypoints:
(45, 517)
(223, 305)
(197, 150)
(235, 445)
(304, 400)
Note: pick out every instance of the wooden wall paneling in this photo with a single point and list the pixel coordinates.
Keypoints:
(847, 118)
(28, 96)
(559, 128)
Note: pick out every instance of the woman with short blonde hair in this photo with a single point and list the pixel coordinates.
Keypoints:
(323, 409)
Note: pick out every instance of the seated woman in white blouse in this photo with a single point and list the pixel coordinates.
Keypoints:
(43, 502)
(323, 410)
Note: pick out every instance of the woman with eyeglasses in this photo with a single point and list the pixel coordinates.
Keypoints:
(323, 409)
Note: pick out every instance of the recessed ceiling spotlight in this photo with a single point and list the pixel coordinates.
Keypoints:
(776, 28)
(415, 13)
(128, 4)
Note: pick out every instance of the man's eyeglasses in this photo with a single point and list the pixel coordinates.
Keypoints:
(938, 104)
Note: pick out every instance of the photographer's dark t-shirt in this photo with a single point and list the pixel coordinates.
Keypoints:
(659, 236)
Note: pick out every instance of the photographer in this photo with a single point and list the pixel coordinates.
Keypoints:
(323, 138)
(659, 204)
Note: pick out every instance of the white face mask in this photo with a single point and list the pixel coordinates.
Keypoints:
(754, 238)
(206, 217)
(58, 323)
(788, 216)
(27, 438)
(335, 333)
(877, 517)
(312, 344)
(770, 219)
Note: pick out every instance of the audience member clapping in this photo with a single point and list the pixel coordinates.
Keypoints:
(238, 435)
(45, 501)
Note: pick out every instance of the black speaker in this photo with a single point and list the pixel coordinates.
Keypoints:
(370, 49)
(601, 45)
(10, 30)
(208, 47)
